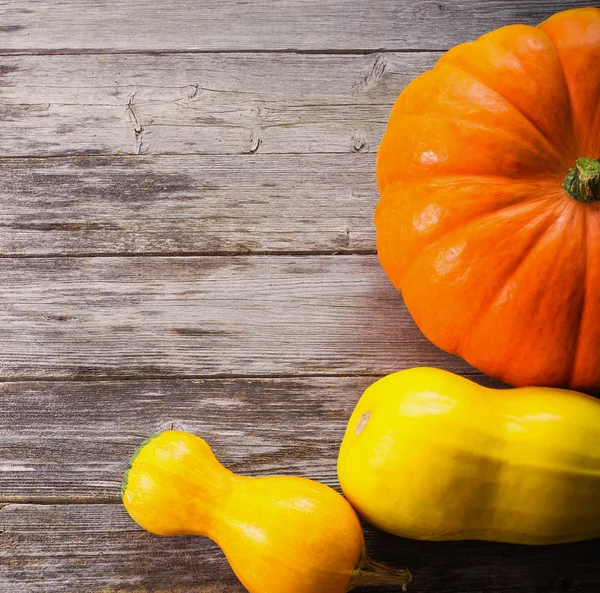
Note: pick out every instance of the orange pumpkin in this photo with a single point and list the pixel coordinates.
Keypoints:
(489, 217)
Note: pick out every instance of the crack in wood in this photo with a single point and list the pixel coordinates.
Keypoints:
(359, 141)
(255, 140)
(138, 128)
(194, 92)
(372, 78)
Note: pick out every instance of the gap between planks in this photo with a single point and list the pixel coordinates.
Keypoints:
(159, 254)
(183, 376)
(61, 500)
(217, 377)
(131, 155)
(154, 52)
(94, 155)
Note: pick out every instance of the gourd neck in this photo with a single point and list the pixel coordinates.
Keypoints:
(172, 484)
(583, 181)
(369, 574)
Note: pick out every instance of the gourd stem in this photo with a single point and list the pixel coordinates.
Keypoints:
(132, 459)
(583, 181)
(368, 574)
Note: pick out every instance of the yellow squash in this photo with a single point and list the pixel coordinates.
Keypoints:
(431, 455)
(280, 534)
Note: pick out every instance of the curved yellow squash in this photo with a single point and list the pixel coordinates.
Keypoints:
(431, 455)
(281, 534)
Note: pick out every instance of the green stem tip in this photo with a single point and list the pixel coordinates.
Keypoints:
(133, 458)
(368, 574)
(582, 182)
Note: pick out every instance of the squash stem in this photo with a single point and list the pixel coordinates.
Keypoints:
(583, 181)
(132, 459)
(368, 574)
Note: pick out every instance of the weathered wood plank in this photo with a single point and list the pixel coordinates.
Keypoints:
(187, 204)
(71, 440)
(164, 128)
(199, 103)
(97, 548)
(205, 316)
(261, 24)
(198, 81)
(66, 441)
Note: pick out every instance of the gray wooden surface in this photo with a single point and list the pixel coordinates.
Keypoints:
(186, 240)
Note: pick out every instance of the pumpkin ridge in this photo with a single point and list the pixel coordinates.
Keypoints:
(491, 211)
(466, 223)
(553, 148)
(569, 98)
(562, 67)
(585, 302)
(485, 185)
(492, 179)
(519, 263)
(566, 85)
(546, 222)
(467, 176)
(552, 164)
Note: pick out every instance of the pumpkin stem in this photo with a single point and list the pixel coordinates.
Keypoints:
(368, 573)
(583, 181)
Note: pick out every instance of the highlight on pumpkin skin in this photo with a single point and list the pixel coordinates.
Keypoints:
(280, 533)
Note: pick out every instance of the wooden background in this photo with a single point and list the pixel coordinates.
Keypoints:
(186, 240)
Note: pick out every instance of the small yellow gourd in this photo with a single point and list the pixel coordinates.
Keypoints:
(280, 534)
(431, 455)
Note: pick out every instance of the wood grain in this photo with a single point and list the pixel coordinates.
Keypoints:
(226, 128)
(188, 204)
(200, 103)
(74, 437)
(205, 316)
(97, 548)
(314, 25)
(69, 441)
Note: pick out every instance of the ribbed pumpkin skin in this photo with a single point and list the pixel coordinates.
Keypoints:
(495, 261)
